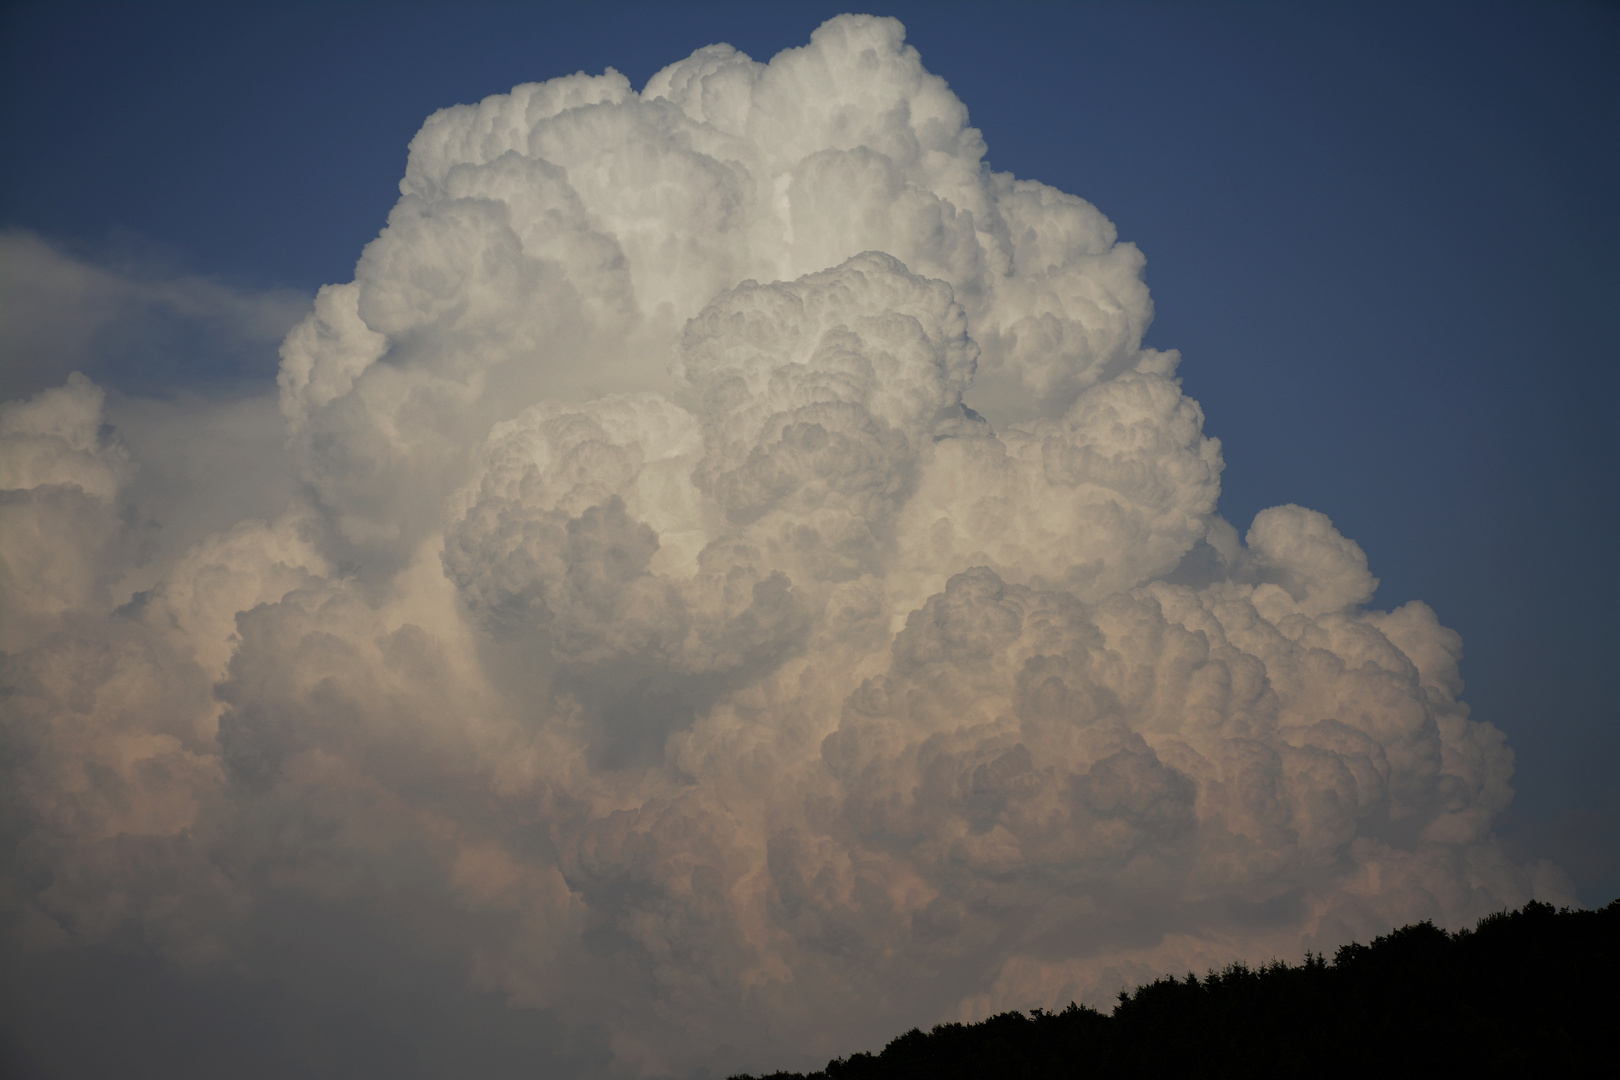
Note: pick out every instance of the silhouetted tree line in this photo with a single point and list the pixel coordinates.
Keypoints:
(1532, 992)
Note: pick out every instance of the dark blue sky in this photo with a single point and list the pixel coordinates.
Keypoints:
(1385, 238)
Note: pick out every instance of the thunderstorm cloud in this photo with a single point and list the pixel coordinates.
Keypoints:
(736, 584)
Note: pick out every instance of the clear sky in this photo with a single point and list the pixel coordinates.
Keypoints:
(1384, 238)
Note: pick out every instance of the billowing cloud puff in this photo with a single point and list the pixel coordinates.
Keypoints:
(750, 591)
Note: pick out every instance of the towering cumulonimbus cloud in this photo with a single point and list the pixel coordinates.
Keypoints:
(751, 592)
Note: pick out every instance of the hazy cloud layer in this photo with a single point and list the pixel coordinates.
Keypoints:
(745, 591)
(131, 320)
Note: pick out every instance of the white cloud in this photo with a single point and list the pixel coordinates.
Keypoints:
(655, 604)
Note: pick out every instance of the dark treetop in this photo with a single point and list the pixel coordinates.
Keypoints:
(1532, 992)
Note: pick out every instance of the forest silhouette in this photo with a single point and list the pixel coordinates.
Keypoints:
(1523, 993)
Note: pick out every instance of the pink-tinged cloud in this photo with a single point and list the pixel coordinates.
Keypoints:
(747, 592)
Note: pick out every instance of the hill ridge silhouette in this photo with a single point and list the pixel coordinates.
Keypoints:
(1532, 990)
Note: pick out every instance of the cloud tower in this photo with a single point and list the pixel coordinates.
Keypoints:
(750, 591)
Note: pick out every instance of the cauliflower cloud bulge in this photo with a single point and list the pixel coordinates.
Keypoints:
(751, 592)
